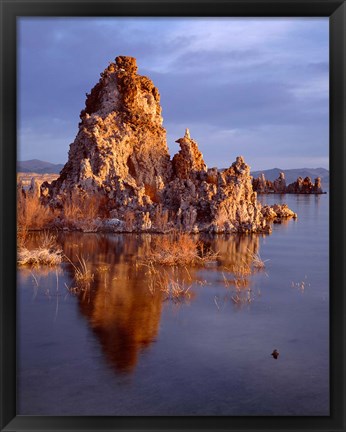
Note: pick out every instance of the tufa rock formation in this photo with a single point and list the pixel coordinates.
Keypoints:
(305, 186)
(300, 186)
(120, 154)
(188, 162)
(280, 183)
(262, 185)
(35, 188)
(120, 150)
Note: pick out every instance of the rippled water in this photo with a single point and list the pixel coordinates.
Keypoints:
(123, 348)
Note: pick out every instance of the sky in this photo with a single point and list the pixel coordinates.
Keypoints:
(252, 87)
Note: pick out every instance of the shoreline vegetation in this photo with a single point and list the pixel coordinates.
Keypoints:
(89, 213)
(170, 265)
(175, 247)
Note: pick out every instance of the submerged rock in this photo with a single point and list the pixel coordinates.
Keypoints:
(275, 354)
(278, 212)
(120, 154)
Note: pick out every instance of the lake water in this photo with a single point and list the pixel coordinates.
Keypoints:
(122, 348)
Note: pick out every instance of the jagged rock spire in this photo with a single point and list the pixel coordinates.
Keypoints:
(121, 144)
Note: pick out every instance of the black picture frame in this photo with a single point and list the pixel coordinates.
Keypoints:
(336, 11)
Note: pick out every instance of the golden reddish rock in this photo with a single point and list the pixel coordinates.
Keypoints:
(120, 155)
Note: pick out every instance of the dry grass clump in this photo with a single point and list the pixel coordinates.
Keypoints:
(81, 210)
(242, 297)
(301, 285)
(31, 214)
(48, 240)
(161, 281)
(82, 206)
(71, 212)
(83, 277)
(242, 271)
(180, 250)
(177, 291)
(160, 219)
(156, 279)
(241, 292)
(38, 257)
(257, 261)
(47, 253)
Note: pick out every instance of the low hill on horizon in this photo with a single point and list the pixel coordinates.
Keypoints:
(39, 167)
(291, 175)
(43, 167)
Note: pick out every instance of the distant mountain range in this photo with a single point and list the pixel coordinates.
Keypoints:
(39, 167)
(291, 175)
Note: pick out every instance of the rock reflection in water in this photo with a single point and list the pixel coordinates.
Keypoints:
(235, 251)
(235, 260)
(120, 307)
(124, 317)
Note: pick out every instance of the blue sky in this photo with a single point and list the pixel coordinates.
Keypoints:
(252, 87)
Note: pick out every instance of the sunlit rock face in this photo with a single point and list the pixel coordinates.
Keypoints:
(120, 149)
(209, 200)
(120, 154)
(188, 163)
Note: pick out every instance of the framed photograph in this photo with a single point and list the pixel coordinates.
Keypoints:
(172, 218)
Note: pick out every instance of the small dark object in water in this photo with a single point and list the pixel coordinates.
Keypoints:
(275, 354)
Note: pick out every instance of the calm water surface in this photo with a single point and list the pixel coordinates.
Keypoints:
(123, 349)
